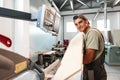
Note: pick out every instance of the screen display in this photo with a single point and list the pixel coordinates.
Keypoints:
(57, 22)
(48, 19)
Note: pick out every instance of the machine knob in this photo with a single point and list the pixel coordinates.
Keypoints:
(5, 40)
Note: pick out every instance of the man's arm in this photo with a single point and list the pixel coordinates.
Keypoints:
(89, 56)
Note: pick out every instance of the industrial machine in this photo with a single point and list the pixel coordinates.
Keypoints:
(112, 48)
(16, 67)
(112, 56)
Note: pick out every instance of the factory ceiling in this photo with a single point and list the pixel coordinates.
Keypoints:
(68, 5)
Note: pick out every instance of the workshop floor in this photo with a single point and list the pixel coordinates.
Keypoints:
(113, 72)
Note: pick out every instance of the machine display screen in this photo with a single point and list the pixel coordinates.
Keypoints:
(48, 19)
(57, 22)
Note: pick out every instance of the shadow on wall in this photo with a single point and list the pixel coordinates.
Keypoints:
(40, 40)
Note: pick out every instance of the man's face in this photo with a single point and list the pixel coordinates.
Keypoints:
(81, 24)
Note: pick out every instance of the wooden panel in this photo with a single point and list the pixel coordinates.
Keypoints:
(71, 63)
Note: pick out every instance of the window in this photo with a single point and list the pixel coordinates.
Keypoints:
(1, 3)
(70, 27)
(101, 26)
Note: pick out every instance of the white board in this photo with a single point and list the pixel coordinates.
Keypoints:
(71, 63)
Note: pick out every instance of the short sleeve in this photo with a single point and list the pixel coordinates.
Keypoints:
(92, 40)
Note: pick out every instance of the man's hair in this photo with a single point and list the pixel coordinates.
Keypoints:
(79, 16)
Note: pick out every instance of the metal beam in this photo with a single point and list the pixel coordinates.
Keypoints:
(105, 14)
(53, 3)
(4, 12)
(82, 3)
(116, 2)
(89, 11)
(71, 4)
(97, 13)
(63, 4)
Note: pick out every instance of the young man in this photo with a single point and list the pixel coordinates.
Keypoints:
(94, 55)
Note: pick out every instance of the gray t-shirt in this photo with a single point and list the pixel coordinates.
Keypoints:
(94, 40)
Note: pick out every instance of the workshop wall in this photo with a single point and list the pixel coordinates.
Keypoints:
(113, 17)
